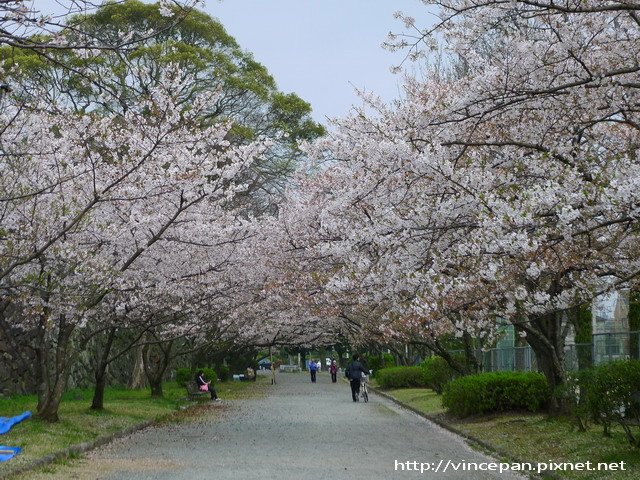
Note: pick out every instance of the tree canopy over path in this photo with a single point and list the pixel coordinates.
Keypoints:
(148, 197)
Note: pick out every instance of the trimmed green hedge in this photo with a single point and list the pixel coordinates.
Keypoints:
(402, 377)
(496, 392)
(433, 373)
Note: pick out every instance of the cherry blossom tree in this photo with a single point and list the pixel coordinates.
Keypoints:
(506, 192)
(98, 204)
(125, 202)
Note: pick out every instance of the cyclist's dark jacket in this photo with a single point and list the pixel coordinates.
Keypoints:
(354, 370)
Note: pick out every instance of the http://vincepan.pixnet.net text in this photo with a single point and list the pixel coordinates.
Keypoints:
(444, 466)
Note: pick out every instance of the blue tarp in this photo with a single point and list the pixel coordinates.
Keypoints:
(7, 453)
(7, 422)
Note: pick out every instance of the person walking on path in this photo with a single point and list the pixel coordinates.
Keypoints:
(333, 370)
(354, 374)
(313, 367)
(205, 386)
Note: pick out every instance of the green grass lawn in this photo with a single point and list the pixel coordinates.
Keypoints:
(536, 438)
(422, 399)
(123, 408)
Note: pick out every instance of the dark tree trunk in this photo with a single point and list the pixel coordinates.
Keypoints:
(156, 361)
(341, 351)
(101, 372)
(546, 337)
(472, 366)
(48, 407)
(54, 366)
(156, 388)
(97, 403)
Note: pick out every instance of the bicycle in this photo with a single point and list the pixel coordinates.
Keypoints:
(364, 391)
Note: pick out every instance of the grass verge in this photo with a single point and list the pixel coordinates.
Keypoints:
(78, 424)
(534, 438)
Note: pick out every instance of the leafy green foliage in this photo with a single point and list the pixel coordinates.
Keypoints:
(209, 374)
(438, 373)
(204, 52)
(433, 373)
(608, 394)
(402, 377)
(496, 392)
(377, 362)
(185, 375)
(575, 398)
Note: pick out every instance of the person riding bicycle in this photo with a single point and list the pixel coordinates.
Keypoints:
(354, 374)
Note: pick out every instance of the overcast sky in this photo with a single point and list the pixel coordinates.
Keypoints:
(319, 49)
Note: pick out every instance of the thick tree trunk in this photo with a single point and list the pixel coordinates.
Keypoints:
(156, 388)
(473, 366)
(54, 366)
(341, 351)
(156, 361)
(48, 406)
(97, 403)
(101, 372)
(137, 380)
(546, 338)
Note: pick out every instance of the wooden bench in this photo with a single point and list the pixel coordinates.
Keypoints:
(194, 392)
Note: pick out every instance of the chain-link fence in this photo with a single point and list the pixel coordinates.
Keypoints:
(605, 347)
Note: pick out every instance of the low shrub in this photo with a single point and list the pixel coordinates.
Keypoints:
(378, 362)
(210, 374)
(496, 392)
(388, 360)
(374, 362)
(438, 373)
(402, 377)
(573, 395)
(184, 375)
(608, 394)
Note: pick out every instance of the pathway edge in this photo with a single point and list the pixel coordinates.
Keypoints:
(85, 446)
(469, 439)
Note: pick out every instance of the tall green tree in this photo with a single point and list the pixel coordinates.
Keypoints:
(113, 79)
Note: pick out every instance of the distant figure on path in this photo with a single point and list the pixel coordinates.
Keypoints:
(205, 386)
(313, 367)
(354, 374)
(333, 370)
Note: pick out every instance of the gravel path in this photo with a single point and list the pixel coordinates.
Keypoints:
(299, 431)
